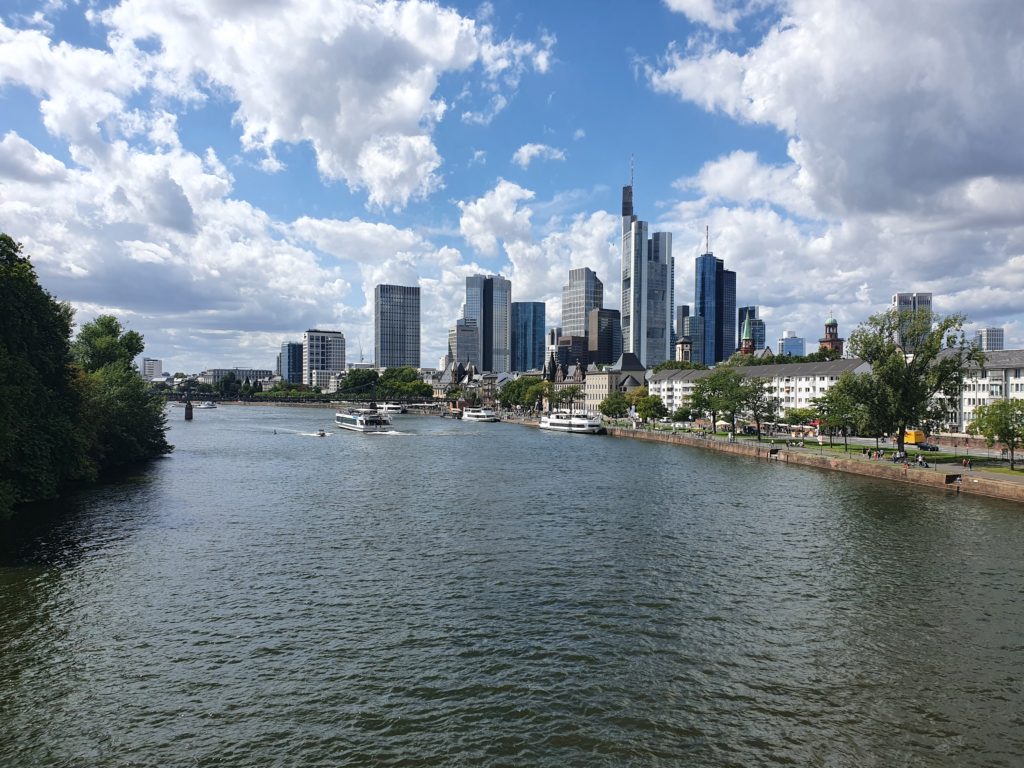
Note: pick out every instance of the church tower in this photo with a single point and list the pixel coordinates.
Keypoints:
(831, 340)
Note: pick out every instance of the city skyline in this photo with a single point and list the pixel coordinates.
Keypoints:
(187, 173)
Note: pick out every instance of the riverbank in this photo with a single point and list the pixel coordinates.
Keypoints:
(950, 478)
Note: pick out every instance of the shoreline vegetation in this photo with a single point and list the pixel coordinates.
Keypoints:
(72, 412)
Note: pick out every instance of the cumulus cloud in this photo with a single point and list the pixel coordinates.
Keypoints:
(717, 14)
(495, 216)
(527, 153)
(904, 165)
(21, 161)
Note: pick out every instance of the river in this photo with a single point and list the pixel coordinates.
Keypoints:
(489, 594)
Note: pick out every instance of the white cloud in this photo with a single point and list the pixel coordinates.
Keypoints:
(20, 160)
(496, 216)
(717, 14)
(527, 153)
(578, 134)
(905, 165)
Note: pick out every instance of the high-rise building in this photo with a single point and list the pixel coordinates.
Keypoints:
(715, 301)
(582, 293)
(604, 336)
(489, 302)
(396, 326)
(791, 344)
(648, 288)
(682, 312)
(693, 328)
(291, 362)
(528, 335)
(323, 353)
(757, 328)
(464, 342)
(989, 339)
(911, 303)
(152, 368)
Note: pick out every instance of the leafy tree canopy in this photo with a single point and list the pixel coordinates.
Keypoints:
(104, 342)
(1001, 421)
(679, 365)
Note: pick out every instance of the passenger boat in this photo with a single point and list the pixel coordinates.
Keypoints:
(560, 421)
(205, 404)
(391, 408)
(479, 414)
(363, 420)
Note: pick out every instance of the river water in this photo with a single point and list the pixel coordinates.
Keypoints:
(489, 594)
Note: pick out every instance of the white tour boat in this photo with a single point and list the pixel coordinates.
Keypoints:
(560, 421)
(363, 420)
(391, 408)
(479, 414)
(205, 404)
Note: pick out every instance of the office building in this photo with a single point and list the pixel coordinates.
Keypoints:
(581, 294)
(791, 344)
(682, 312)
(528, 335)
(464, 343)
(396, 326)
(489, 303)
(693, 329)
(323, 355)
(290, 369)
(715, 302)
(648, 288)
(989, 339)
(604, 336)
(757, 328)
(911, 303)
(152, 368)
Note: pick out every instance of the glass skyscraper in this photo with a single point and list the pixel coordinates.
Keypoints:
(715, 302)
(582, 293)
(528, 335)
(757, 329)
(489, 303)
(648, 288)
(396, 326)
(291, 362)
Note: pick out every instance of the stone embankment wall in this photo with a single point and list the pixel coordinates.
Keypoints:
(966, 482)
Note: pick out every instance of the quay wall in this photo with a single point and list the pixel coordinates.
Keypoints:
(958, 482)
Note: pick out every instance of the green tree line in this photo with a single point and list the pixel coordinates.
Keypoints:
(70, 411)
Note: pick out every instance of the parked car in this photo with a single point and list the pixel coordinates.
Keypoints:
(927, 447)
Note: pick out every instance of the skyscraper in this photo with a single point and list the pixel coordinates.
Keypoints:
(648, 288)
(693, 327)
(528, 335)
(396, 326)
(464, 342)
(489, 302)
(989, 339)
(604, 336)
(291, 362)
(715, 301)
(912, 303)
(324, 353)
(757, 328)
(682, 312)
(791, 344)
(582, 293)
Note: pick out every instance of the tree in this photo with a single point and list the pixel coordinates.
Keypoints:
(759, 402)
(41, 445)
(914, 357)
(103, 342)
(558, 398)
(125, 419)
(514, 392)
(679, 365)
(615, 406)
(535, 394)
(721, 392)
(837, 407)
(650, 408)
(682, 414)
(359, 384)
(1001, 421)
(799, 415)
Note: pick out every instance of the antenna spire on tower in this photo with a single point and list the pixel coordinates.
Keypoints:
(707, 239)
(631, 168)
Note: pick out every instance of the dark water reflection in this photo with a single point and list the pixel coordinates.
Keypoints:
(490, 595)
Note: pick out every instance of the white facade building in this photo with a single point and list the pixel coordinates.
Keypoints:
(1000, 379)
(151, 369)
(322, 351)
(794, 385)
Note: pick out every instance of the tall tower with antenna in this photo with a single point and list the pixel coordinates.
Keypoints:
(648, 286)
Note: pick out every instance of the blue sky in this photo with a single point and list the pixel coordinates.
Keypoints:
(222, 175)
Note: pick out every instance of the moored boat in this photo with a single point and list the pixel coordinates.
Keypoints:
(363, 420)
(391, 408)
(479, 414)
(205, 404)
(559, 421)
